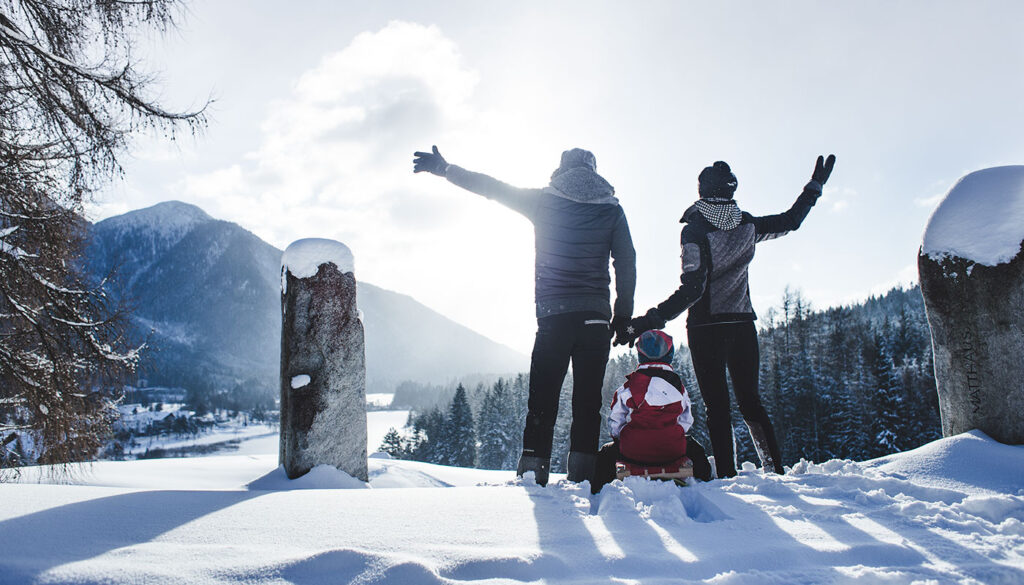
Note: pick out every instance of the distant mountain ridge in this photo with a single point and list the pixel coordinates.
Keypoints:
(209, 291)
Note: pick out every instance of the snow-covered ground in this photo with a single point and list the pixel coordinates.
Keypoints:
(949, 512)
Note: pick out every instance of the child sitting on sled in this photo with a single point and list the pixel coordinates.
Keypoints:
(649, 419)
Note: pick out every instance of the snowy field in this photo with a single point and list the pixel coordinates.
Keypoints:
(949, 512)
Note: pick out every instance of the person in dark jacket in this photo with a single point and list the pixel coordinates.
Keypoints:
(578, 224)
(718, 243)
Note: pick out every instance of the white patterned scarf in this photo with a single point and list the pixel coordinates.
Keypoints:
(724, 214)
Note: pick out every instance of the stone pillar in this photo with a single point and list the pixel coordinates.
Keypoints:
(972, 276)
(323, 363)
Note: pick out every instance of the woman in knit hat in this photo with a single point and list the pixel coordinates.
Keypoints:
(717, 246)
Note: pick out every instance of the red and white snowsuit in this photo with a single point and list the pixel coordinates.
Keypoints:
(650, 415)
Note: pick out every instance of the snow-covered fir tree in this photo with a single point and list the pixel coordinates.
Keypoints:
(498, 429)
(460, 432)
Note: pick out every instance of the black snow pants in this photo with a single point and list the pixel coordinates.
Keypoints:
(584, 338)
(732, 346)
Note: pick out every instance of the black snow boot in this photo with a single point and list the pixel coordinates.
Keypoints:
(581, 466)
(538, 465)
(701, 465)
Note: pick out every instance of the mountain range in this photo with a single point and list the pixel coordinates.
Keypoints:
(206, 293)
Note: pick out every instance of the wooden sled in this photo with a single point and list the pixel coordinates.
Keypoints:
(677, 472)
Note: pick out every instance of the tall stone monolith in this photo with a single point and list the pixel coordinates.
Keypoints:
(323, 363)
(972, 276)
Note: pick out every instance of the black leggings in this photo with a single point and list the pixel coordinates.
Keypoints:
(584, 338)
(732, 346)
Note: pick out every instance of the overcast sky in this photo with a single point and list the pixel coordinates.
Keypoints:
(319, 106)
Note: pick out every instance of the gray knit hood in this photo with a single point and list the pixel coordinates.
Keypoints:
(576, 179)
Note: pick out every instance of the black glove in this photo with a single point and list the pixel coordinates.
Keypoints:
(652, 320)
(619, 325)
(430, 162)
(823, 169)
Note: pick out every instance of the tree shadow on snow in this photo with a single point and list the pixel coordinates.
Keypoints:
(32, 544)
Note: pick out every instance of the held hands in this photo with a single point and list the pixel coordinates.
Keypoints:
(823, 169)
(636, 326)
(429, 162)
(619, 327)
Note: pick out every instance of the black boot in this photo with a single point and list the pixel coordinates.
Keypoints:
(581, 466)
(538, 465)
(604, 470)
(701, 465)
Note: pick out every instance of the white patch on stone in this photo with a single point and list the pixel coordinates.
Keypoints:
(980, 219)
(304, 257)
(300, 381)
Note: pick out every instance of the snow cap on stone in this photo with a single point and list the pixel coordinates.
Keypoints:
(981, 218)
(304, 257)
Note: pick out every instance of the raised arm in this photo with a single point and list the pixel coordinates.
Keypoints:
(522, 200)
(769, 227)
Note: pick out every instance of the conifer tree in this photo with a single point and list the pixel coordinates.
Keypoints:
(460, 433)
(563, 426)
(393, 444)
(519, 390)
(497, 427)
(887, 405)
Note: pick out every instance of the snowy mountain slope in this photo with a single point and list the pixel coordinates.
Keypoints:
(210, 290)
(928, 516)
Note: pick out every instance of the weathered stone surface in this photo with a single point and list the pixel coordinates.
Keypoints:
(976, 314)
(323, 371)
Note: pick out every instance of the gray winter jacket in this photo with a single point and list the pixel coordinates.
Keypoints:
(577, 223)
(715, 259)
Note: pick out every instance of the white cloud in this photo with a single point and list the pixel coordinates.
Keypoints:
(338, 141)
(335, 160)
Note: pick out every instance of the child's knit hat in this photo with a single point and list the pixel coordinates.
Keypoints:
(654, 346)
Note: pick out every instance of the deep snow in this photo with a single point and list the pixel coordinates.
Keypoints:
(949, 512)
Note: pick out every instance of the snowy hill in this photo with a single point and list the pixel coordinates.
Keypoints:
(210, 290)
(949, 512)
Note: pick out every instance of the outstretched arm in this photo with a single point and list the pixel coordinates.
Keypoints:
(522, 200)
(769, 227)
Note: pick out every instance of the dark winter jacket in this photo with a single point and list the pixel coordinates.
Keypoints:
(577, 223)
(714, 260)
